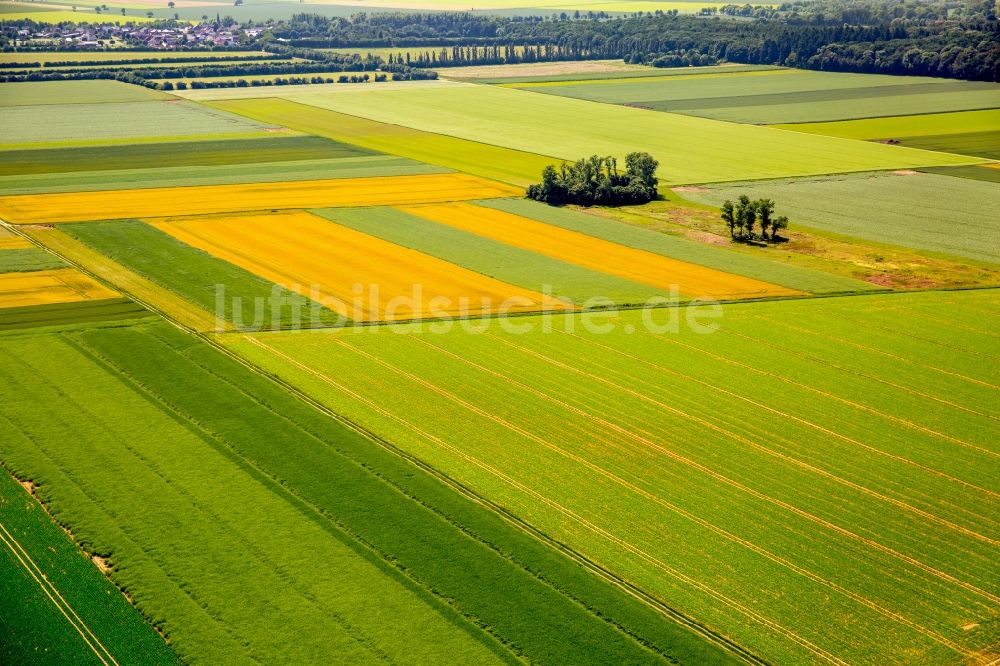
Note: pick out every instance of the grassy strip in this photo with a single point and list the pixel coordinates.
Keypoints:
(179, 154)
(792, 277)
(233, 174)
(71, 314)
(27, 259)
(195, 275)
(527, 595)
(988, 174)
(37, 560)
(504, 262)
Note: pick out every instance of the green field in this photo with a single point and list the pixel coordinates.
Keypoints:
(979, 172)
(980, 144)
(196, 275)
(792, 277)
(59, 608)
(27, 259)
(58, 124)
(264, 172)
(785, 96)
(734, 474)
(923, 211)
(74, 92)
(174, 154)
(507, 263)
(960, 122)
(66, 316)
(482, 159)
(689, 149)
(459, 580)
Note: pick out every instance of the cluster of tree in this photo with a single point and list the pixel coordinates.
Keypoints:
(688, 58)
(139, 61)
(917, 37)
(743, 217)
(597, 181)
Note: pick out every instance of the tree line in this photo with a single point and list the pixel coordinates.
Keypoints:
(914, 37)
(743, 217)
(596, 181)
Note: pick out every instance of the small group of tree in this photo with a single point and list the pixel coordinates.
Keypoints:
(597, 181)
(743, 218)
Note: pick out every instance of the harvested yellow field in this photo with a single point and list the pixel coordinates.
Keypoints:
(64, 285)
(216, 199)
(362, 277)
(597, 254)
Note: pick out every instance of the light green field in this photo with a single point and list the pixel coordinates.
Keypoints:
(916, 125)
(816, 479)
(690, 150)
(923, 211)
(74, 92)
(95, 123)
(482, 159)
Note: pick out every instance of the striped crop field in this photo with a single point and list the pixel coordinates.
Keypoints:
(814, 479)
(364, 278)
(783, 95)
(215, 199)
(292, 560)
(61, 285)
(596, 254)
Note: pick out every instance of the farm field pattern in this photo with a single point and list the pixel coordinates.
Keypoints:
(265, 404)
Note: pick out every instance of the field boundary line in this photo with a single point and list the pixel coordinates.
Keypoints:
(760, 550)
(858, 373)
(884, 353)
(558, 507)
(826, 431)
(825, 394)
(763, 496)
(722, 641)
(46, 585)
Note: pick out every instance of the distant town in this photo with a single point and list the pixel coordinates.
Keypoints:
(167, 35)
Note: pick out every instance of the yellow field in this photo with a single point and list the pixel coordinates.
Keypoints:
(63, 285)
(9, 241)
(653, 269)
(216, 199)
(362, 277)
